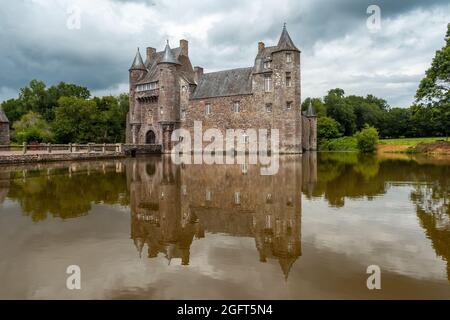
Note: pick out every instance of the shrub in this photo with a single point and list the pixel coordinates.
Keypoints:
(338, 144)
(31, 127)
(367, 139)
(328, 128)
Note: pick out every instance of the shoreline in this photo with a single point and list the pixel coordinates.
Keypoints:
(55, 157)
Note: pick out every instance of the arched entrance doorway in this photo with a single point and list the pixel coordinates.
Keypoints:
(150, 137)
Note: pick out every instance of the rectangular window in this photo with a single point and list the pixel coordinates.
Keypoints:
(208, 195)
(268, 107)
(245, 138)
(237, 198)
(236, 106)
(268, 83)
(244, 168)
(208, 109)
(288, 57)
(288, 79)
(267, 65)
(182, 114)
(289, 105)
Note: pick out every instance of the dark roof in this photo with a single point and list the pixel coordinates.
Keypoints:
(285, 42)
(261, 57)
(152, 65)
(3, 117)
(168, 56)
(137, 62)
(224, 83)
(310, 110)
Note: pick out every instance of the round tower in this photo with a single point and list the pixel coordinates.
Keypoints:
(169, 113)
(137, 70)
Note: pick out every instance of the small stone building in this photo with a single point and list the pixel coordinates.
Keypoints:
(4, 128)
(167, 93)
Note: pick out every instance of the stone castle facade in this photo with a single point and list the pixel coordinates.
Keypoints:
(167, 93)
(4, 128)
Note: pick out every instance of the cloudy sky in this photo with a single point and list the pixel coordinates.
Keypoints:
(41, 39)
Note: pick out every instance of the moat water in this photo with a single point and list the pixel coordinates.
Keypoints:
(148, 229)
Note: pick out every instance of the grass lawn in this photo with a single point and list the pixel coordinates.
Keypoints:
(409, 141)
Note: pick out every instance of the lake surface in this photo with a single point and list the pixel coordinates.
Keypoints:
(148, 229)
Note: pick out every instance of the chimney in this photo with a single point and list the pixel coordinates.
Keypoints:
(261, 46)
(198, 72)
(150, 53)
(184, 45)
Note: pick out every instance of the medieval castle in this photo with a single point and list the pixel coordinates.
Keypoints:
(167, 93)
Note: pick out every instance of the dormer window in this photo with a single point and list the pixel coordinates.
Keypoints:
(288, 57)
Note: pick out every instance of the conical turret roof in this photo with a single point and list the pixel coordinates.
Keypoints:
(138, 63)
(285, 42)
(310, 110)
(168, 56)
(3, 117)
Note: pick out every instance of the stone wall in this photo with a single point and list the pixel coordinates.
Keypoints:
(132, 150)
(4, 133)
(32, 158)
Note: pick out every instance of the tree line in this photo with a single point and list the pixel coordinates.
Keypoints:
(340, 115)
(65, 113)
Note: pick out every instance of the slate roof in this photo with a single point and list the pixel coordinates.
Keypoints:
(137, 62)
(3, 117)
(285, 42)
(310, 110)
(168, 56)
(261, 57)
(224, 83)
(152, 65)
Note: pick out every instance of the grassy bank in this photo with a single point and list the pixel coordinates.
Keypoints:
(430, 145)
(426, 145)
(339, 144)
(409, 141)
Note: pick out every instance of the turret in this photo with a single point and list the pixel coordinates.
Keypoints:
(285, 65)
(137, 69)
(168, 85)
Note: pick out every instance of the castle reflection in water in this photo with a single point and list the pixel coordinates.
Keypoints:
(173, 205)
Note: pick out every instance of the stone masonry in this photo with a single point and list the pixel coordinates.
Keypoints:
(167, 93)
(4, 129)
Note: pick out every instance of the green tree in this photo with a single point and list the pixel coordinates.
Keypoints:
(76, 120)
(338, 109)
(366, 110)
(38, 98)
(14, 109)
(367, 139)
(327, 128)
(434, 88)
(396, 122)
(31, 127)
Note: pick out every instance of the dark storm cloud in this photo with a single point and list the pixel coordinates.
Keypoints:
(35, 42)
